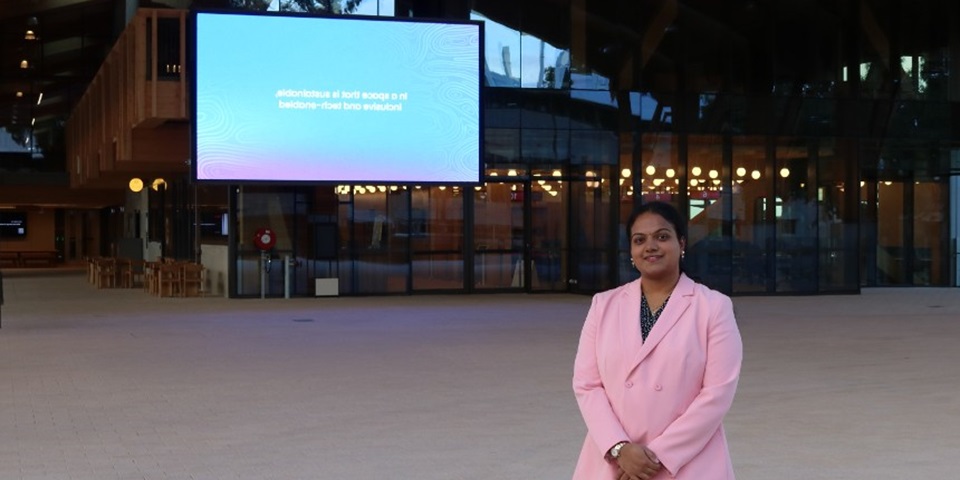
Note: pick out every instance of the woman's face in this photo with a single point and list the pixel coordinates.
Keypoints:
(655, 247)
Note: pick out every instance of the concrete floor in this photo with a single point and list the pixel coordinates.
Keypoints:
(114, 384)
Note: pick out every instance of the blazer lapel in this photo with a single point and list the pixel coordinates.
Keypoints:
(629, 314)
(679, 302)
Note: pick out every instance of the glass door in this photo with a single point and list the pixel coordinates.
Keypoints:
(549, 247)
(499, 235)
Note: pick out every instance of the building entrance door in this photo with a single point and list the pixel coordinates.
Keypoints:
(548, 246)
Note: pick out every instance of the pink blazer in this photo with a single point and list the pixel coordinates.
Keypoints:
(670, 392)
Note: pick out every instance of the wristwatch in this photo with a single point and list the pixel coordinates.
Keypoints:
(615, 451)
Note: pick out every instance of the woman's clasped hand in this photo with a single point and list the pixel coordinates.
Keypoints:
(637, 462)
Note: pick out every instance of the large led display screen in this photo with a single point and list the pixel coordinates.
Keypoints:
(292, 98)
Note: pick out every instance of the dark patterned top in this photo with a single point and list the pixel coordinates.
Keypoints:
(648, 318)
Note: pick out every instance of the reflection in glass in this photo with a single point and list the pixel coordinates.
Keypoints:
(707, 252)
(436, 237)
(548, 231)
(750, 226)
(928, 217)
(796, 216)
(889, 247)
(498, 235)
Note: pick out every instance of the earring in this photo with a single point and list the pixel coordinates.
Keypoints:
(683, 255)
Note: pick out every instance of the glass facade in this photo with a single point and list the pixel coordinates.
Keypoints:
(811, 143)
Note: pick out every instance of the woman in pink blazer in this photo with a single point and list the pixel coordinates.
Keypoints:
(657, 366)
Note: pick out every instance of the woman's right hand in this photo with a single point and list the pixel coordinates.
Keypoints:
(636, 462)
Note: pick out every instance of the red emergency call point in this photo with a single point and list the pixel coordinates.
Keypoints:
(265, 239)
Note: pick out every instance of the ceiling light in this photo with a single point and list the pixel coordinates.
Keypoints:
(30, 35)
(24, 63)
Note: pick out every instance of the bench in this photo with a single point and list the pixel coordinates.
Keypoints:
(28, 259)
(9, 259)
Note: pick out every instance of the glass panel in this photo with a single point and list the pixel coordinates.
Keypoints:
(594, 110)
(545, 145)
(795, 211)
(659, 175)
(212, 214)
(545, 109)
(548, 230)
(501, 108)
(543, 65)
(584, 34)
(750, 227)
(498, 235)
(924, 31)
(376, 8)
(592, 235)
(890, 254)
(436, 237)
(708, 252)
(595, 158)
(275, 209)
(501, 148)
(835, 216)
(378, 257)
(929, 218)
(437, 271)
(501, 49)
(877, 75)
(589, 147)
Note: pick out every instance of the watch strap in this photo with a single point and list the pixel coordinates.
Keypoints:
(615, 450)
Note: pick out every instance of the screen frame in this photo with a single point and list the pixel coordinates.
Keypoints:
(191, 78)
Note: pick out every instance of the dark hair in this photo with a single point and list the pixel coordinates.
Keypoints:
(665, 210)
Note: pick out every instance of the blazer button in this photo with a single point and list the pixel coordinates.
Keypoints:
(657, 387)
(629, 384)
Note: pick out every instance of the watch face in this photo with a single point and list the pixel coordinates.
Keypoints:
(615, 453)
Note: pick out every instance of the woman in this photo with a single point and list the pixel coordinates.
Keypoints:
(657, 366)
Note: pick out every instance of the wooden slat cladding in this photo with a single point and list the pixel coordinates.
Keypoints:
(134, 114)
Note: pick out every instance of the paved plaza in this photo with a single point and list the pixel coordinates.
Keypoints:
(115, 384)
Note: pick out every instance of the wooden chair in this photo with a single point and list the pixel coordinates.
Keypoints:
(132, 273)
(106, 273)
(191, 280)
(150, 275)
(91, 270)
(168, 280)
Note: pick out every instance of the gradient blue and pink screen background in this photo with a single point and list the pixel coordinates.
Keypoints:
(425, 77)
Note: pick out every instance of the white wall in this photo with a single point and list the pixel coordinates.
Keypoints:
(214, 260)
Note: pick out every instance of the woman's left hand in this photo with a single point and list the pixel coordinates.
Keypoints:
(636, 464)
